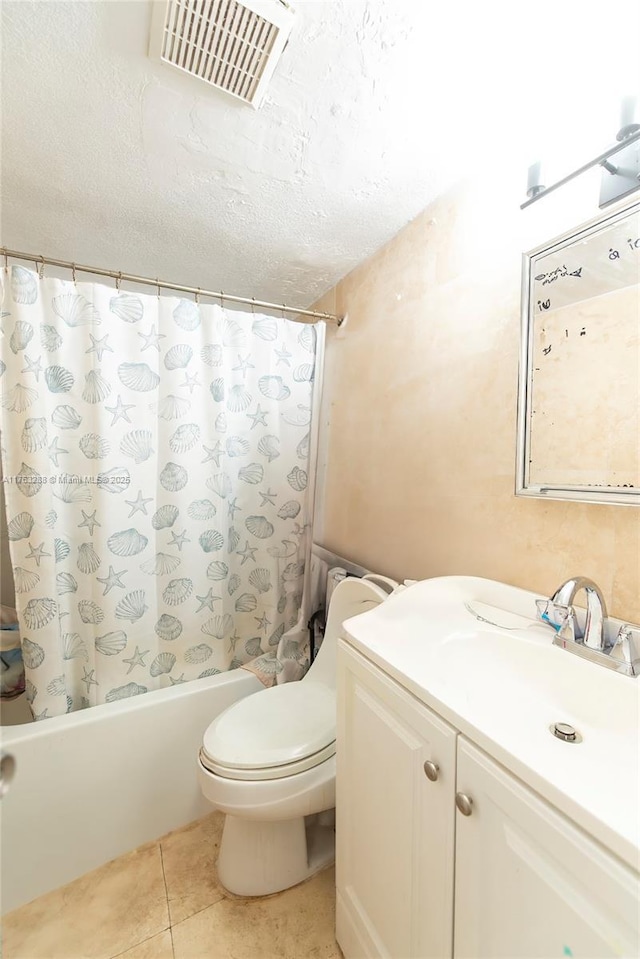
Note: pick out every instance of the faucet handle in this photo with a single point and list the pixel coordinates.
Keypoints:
(569, 627)
(553, 614)
(625, 635)
(631, 646)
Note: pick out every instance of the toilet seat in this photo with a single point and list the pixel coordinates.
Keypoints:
(272, 734)
(268, 772)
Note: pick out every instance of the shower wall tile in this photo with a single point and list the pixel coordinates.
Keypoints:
(419, 409)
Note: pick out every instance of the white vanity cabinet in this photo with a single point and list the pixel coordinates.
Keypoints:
(416, 877)
(528, 883)
(394, 825)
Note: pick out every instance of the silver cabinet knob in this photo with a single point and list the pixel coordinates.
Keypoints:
(7, 769)
(431, 770)
(464, 804)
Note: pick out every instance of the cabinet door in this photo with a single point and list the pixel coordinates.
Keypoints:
(394, 827)
(528, 882)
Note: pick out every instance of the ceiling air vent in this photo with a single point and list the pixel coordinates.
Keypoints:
(230, 45)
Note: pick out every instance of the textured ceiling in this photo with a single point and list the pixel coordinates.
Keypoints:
(114, 160)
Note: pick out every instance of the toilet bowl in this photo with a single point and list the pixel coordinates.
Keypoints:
(268, 763)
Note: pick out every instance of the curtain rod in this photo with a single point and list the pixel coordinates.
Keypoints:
(40, 261)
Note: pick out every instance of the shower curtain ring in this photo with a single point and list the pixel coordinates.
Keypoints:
(73, 272)
(283, 309)
(6, 262)
(197, 296)
(222, 299)
(41, 268)
(118, 280)
(253, 304)
(158, 282)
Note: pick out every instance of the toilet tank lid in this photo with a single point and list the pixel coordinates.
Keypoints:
(275, 726)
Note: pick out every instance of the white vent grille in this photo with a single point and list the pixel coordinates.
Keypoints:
(230, 45)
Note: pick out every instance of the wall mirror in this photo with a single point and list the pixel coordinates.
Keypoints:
(579, 393)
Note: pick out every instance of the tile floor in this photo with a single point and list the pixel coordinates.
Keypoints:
(163, 901)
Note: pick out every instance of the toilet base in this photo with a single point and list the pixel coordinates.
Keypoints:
(259, 858)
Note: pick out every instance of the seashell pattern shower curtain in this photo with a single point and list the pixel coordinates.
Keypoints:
(156, 457)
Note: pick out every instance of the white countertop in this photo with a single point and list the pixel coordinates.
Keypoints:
(502, 688)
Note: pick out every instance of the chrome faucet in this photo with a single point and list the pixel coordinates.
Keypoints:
(594, 634)
(595, 642)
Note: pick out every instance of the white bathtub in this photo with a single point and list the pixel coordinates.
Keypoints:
(92, 785)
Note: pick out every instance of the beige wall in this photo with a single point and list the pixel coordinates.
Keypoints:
(419, 414)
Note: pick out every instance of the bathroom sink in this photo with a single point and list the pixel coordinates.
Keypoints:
(474, 651)
(496, 667)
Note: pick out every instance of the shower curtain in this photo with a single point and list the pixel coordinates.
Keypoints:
(156, 456)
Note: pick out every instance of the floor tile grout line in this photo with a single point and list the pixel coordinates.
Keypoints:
(232, 898)
(147, 939)
(204, 909)
(166, 892)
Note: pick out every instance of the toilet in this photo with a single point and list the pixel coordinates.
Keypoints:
(268, 763)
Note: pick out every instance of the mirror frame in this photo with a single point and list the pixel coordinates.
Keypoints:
(584, 494)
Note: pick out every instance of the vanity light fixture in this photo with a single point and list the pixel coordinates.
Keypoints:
(534, 180)
(620, 176)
